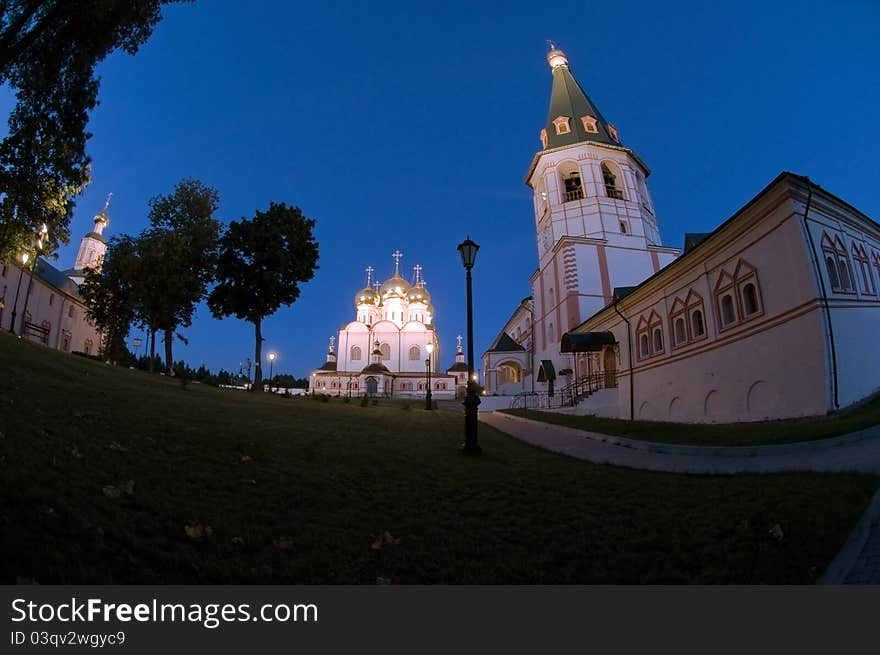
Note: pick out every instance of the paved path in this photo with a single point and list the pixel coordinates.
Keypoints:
(859, 560)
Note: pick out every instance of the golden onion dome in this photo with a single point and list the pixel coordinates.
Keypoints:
(366, 296)
(395, 286)
(419, 294)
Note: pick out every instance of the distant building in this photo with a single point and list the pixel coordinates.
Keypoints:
(384, 350)
(772, 315)
(50, 309)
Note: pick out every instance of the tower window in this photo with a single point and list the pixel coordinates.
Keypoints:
(544, 138)
(562, 124)
(612, 186)
(590, 124)
(572, 188)
(623, 227)
(613, 132)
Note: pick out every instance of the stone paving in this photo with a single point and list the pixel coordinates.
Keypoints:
(859, 560)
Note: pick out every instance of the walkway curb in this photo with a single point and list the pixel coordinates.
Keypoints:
(848, 558)
(715, 451)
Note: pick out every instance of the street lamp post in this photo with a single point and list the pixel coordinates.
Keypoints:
(430, 348)
(271, 357)
(468, 251)
(24, 260)
(38, 245)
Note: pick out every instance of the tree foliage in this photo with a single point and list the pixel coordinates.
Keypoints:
(184, 236)
(110, 294)
(49, 50)
(261, 265)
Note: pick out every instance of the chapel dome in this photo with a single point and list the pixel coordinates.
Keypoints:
(419, 294)
(395, 286)
(366, 296)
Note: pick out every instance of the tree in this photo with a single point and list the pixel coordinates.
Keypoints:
(109, 295)
(261, 265)
(184, 230)
(49, 50)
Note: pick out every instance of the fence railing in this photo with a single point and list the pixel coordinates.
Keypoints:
(568, 396)
(36, 333)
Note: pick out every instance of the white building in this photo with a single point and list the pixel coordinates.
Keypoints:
(43, 304)
(388, 348)
(772, 315)
(595, 226)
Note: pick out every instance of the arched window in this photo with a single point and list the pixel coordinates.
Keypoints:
(832, 272)
(562, 124)
(87, 347)
(572, 189)
(750, 299)
(680, 331)
(612, 185)
(728, 312)
(550, 333)
(355, 353)
(385, 349)
(623, 229)
(697, 327)
(590, 124)
(415, 353)
(658, 340)
(643, 346)
(843, 269)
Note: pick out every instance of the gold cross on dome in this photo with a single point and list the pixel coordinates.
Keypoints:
(397, 257)
(369, 270)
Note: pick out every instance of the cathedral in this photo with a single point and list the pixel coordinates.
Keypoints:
(770, 315)
(391, 348)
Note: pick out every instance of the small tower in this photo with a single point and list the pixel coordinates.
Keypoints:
(93, 247)
(459, 369)
(331, 354)
(367, 301)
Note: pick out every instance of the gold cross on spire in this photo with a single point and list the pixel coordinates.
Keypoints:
(397, 257)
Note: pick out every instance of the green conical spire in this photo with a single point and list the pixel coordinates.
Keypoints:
(568, 101)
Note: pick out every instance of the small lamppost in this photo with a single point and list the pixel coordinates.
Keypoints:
(271, 356)
(468, 250)
(38, 246)
(24, 260)
(430, 348)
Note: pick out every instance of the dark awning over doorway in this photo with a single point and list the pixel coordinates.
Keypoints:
(547, 372)
(585, 342)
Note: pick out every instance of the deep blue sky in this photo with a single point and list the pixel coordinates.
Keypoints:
(411, 125)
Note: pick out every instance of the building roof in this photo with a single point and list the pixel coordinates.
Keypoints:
(504, 343)
(375, 368)
(583, 342)
(328, 366)
(567, 98)
(457, 367)
(52, 276)
(688, 257)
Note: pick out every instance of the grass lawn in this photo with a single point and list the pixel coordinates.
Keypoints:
(722, 434)
(102, 469)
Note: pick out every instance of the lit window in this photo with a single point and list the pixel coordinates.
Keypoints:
(562, 124)
(589, 124)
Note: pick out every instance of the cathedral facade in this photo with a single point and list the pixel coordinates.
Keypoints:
(391, 348)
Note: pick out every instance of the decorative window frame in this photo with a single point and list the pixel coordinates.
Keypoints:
(875, 261)
(544, 139)
(835, 250)
(613, 132)
(562, 124)
(385, 349)
(649, 327)
(694, 303)
(356, 354)
(591, 125)
(733, 285)
(860, 257)
(617, 190)
(415, 353)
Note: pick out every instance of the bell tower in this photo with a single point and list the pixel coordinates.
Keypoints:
(595, 222)
(93, 246)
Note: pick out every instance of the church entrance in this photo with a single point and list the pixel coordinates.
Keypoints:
(372, 386)
(610, 368)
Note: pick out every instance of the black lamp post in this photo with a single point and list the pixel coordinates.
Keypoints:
(430, 348)
(468, 250)
(24, 261)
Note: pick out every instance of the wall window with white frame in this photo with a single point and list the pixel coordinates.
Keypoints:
(415, 353)
(840, 276)
(863, 266)
(687, 319)
(355, 353)
(738, 296)
(649, 333)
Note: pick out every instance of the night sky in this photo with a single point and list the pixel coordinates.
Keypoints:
(411, 126)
